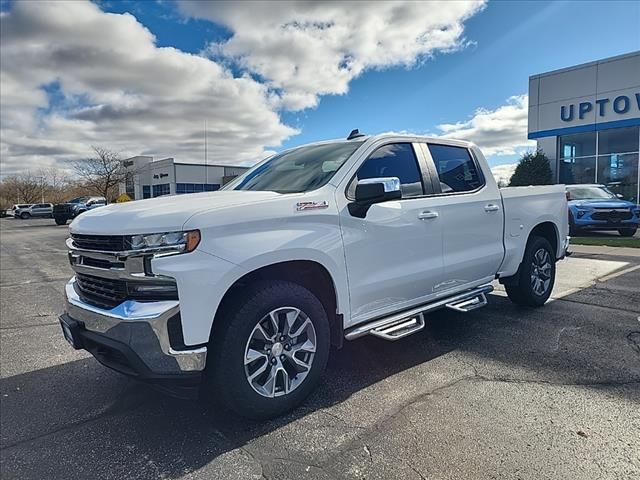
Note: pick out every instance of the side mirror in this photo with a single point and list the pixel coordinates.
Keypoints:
(619, 195)
(374, 190)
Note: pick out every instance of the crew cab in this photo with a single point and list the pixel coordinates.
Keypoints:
(243, 291)
(63, 212)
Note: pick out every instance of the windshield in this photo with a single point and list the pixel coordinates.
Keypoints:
(590, 193)
(300, 170)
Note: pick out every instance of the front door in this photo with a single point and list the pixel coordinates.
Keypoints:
(394, 254)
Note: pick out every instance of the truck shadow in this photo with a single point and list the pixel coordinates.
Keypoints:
(76, 419)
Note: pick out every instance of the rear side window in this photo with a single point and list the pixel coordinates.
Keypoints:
(393, 160)
(456, 169)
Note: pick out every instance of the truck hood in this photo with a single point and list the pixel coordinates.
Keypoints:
(162, 214)
(605, 203)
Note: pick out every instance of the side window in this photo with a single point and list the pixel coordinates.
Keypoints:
(393, 160)
(456, 169)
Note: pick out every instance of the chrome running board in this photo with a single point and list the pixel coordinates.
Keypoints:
(400, 329)
(400, 325)
(468, 305)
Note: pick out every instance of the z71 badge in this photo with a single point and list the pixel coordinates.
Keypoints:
(301, 206)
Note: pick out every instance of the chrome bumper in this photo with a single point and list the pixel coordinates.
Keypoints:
(140, 325)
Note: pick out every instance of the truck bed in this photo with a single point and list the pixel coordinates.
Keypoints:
(525, 207)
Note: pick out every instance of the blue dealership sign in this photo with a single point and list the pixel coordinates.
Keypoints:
(619, 105)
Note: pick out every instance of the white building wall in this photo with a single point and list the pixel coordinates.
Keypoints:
(145, 171)
(581, 99)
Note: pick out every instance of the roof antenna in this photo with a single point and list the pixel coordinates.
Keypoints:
(355, 133)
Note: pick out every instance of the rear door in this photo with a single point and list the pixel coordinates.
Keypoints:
(394, 254)
(39, 210)
(471, 217)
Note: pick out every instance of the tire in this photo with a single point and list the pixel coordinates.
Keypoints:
(228, 375)
(627, 232)
(25, 215)
(524, 292)
(60, 220)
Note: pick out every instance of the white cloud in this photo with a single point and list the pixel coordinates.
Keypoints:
(503, 173)
(119, 90)
(307, 49)
(114, 87)
(502, 131)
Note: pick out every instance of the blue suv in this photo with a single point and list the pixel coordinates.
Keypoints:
(595, 207)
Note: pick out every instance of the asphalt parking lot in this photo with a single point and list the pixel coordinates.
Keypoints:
(503, 392)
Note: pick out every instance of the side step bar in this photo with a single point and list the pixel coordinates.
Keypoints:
(405, 323)
(468, 305)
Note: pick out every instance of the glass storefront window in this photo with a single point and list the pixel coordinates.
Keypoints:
(577, 170)
(578, 145)
(618, 140)
(619, 172)
(608, 157)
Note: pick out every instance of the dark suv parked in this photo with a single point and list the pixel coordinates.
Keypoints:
(62, 212)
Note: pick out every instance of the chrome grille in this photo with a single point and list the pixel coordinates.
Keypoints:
(101, 292)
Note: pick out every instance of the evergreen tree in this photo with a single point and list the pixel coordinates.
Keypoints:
(533, 169)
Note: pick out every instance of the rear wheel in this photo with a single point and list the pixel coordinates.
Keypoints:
(536, 275)
(60, 221)
(627, 232)
(271, 352)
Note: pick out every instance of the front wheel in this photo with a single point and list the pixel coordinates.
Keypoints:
(536, 275)
(25, 215)
(271, 352)
(60, 220)
(627, 232)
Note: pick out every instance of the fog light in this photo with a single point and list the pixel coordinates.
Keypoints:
(581, 213)
(142, 290)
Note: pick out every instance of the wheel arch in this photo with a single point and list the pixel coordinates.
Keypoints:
(545, 229)
(308, 273)
(548, 231)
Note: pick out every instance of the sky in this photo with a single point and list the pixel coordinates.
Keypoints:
(144, 77)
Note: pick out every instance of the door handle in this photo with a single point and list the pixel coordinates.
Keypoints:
(428, 215)
(491, 208)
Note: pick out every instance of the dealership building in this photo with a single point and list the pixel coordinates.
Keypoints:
(586, 119)
(148, 178)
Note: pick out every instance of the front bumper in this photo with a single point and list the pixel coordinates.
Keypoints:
(132, 338)
(606, 225)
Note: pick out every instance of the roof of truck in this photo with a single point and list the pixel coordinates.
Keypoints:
(397, 136)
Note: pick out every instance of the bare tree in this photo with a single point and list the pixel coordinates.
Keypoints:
(56, 184)
(23, 188)
(102, 173)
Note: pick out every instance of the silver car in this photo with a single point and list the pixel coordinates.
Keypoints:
(18, 208)
(35, 210)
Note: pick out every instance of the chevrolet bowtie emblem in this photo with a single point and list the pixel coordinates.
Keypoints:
(300, 206)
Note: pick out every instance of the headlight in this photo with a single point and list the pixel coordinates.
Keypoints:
(169, 241)
(582, 213)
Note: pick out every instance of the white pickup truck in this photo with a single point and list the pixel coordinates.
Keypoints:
(243, 291)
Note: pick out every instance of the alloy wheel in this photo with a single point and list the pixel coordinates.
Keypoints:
(541, 272)
(280, 352)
